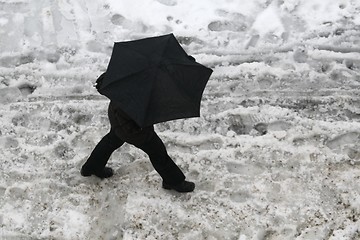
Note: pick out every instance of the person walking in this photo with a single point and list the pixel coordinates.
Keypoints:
(124, 129)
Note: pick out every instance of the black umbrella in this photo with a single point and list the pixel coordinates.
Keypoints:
(153, 80)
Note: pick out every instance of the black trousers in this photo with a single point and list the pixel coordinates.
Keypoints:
(151, 145)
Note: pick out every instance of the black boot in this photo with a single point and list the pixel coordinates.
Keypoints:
(106, 172)
(184, 186)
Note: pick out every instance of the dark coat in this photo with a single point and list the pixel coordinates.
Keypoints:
(126, 128)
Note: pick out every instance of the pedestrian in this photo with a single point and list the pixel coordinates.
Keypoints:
(124, 129)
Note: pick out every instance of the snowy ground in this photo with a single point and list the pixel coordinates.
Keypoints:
(275, 153)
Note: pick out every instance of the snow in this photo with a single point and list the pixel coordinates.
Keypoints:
(274, 155)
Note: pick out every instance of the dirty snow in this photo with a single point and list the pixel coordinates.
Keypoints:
(275, 153)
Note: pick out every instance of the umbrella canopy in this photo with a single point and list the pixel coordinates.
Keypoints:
(153, 80)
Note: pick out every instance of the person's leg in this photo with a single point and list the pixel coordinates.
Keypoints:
(172, 176)
(95, 164)
(147, 140)
(162, 162)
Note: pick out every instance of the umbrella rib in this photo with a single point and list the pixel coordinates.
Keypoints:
(154, 76)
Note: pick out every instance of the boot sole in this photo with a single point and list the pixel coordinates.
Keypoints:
(168, 187)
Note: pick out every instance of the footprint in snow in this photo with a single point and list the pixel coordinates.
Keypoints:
(239, 197)
(9, 142)
(354, 153)
(236, 22)
(312, 139)
(27, 88)
(16, 192)
(41, 139)
(64, 151)
(206, 186)
(9, 95)
(169, 3)
(21, 119)
(219, 26)
(343, 139)
(243, 123)
(246, 170)
(117, 19)
(279, 125)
